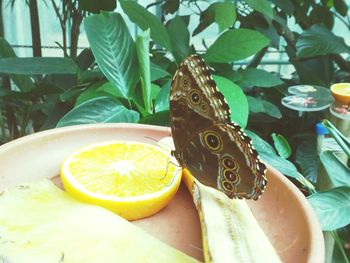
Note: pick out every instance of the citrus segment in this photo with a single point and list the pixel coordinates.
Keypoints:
(133, 179)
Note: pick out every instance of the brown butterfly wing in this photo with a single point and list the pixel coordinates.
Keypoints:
(222, 156)
(215, 151)
(194, 100)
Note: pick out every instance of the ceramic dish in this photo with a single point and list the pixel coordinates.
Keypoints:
(282, 211)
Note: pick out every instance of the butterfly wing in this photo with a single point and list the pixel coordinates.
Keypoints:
(194, 101)
(222, 156)
(200, 122)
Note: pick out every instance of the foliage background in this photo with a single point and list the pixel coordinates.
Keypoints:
(126, 79)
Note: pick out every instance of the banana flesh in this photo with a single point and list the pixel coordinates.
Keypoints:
(230, 232)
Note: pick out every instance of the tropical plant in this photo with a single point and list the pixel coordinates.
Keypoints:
(127, 80)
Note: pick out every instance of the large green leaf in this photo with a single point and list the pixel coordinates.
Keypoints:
(162, 100)
(282, 146)
(114, 50)
(306, 157)
(38, 66)
(332, 207)
(144, 19)
(206, 18)
(159, 118)
(283, 165)
(257, 77)
(96, 90)
(24, 83)
(236, 100)
(180, 38)
(235, 45)
(97, 6)
(157, 72)
(268, 154)
(341, 7)
(225, 15)
(315, 71)
(259, 144)
(142, 47)
(285, 5)
(170, 6)
(262, 6)
(319, 41)
(97, 110)
(338, 172)
(155, 89)
(257, 105)
(322, 15)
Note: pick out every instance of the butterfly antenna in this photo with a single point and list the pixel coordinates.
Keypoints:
(164, 146)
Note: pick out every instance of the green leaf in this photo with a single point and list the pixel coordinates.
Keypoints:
(319, 41)
(322, 15)
(315, 70)
(95, 91)
(236, 100)
(340, 138)
(114, 50)
(332, 207)
(155, 89)
(268, 154)
(162, 101)
(306, 157)
(110, 89)
(70, 94)
(257, 105)
(337, 171)
(144, 19)
(341, 7)
(262, 6)
(157, 72)
(180, 38)
(137, 99)
(24, 83)
(281, 164)
(252, 77)
(225, 15)
(206, 18)
(235, 45)
(285, 5)
(260, 144)
(282, 146)
(142, 47)
(38, 66)
(159, 118)
(97, 110)
(97, 6)
(170, 6)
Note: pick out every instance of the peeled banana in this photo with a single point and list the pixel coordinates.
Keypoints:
(230, 232)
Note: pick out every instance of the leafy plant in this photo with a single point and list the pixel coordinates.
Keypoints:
(126, 79)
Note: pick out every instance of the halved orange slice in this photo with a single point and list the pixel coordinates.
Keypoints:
(132, 179)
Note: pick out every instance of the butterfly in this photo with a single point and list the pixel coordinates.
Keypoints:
(213, 148)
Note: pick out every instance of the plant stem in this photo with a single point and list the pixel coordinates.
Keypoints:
(341, 19)
(305, 182)
(257, 58)
(340, 246)
(35, 26)
(63, 21)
